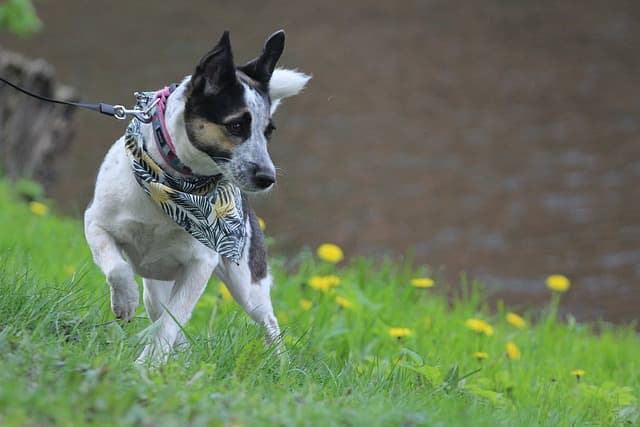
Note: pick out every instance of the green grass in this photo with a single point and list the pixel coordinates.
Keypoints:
(65, 362)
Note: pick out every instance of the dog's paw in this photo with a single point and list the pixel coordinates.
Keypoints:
(154, 354)
(151, 357)
(182, 342)
(124, 302)
(159, 340)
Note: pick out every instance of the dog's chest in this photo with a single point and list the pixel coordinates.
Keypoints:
(153, 244)
(156, 249)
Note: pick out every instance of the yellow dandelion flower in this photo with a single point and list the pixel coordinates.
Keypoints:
(305, 304)
(578, 373)
(422, 282)
(516, 320)
(330, 253)
(488, 330)
(513, 352)
(324, 283)
(224, 292)
(480, 355)
(399, 332)
(558, 283)
(319, 283)
(480, 326)
(262, 224)
(343, 302)
(38, 208)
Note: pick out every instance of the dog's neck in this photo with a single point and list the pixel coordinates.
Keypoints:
(197, 161)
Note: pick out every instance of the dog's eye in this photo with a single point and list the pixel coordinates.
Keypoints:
(235, 128)
(268, 131)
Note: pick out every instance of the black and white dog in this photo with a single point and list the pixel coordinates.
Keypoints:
(215, 123)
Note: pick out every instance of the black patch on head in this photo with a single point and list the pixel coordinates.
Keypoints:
(216, 107)
(257, 249)
(215, 71)
(215, 92)
(239, 126)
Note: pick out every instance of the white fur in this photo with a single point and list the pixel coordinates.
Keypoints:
(285, 83)
(128, 235)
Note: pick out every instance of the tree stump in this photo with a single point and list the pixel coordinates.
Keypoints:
(33, 133)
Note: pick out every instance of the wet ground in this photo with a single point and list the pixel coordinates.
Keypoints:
(501, 139)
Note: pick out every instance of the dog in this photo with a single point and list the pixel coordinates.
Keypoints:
(216, 125)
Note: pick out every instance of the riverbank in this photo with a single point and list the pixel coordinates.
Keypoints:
(369, 343)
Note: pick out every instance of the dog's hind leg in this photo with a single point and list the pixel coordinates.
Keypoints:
(182, 298)
(156, 294)
(250, 282)
(120, 276)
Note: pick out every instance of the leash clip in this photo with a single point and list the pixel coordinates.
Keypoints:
(145, 116)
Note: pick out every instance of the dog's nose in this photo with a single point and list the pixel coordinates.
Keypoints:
(264, 178)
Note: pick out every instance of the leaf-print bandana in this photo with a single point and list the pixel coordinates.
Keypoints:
(207, 207)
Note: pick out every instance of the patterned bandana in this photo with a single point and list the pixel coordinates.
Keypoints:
(207, 207)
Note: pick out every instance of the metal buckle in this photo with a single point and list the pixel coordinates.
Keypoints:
(145, 116)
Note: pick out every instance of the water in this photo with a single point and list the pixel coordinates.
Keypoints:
(500, 138)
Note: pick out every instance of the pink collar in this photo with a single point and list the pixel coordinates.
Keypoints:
(163, 139)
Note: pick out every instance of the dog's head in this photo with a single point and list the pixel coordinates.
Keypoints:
(228, 111)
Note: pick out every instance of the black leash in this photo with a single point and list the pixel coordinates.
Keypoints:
(117, 111)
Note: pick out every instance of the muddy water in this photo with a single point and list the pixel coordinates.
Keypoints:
(501, 139)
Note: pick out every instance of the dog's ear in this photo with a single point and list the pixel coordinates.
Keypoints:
(285, 83)
(215, 70)
(261, 68)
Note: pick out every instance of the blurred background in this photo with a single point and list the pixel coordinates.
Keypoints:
(496, 138)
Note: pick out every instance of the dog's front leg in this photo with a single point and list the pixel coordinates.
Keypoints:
(120, 276)
(189, 285)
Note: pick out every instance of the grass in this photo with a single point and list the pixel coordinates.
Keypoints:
(64, 361)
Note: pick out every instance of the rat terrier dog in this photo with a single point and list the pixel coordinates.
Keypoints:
(170, 199)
